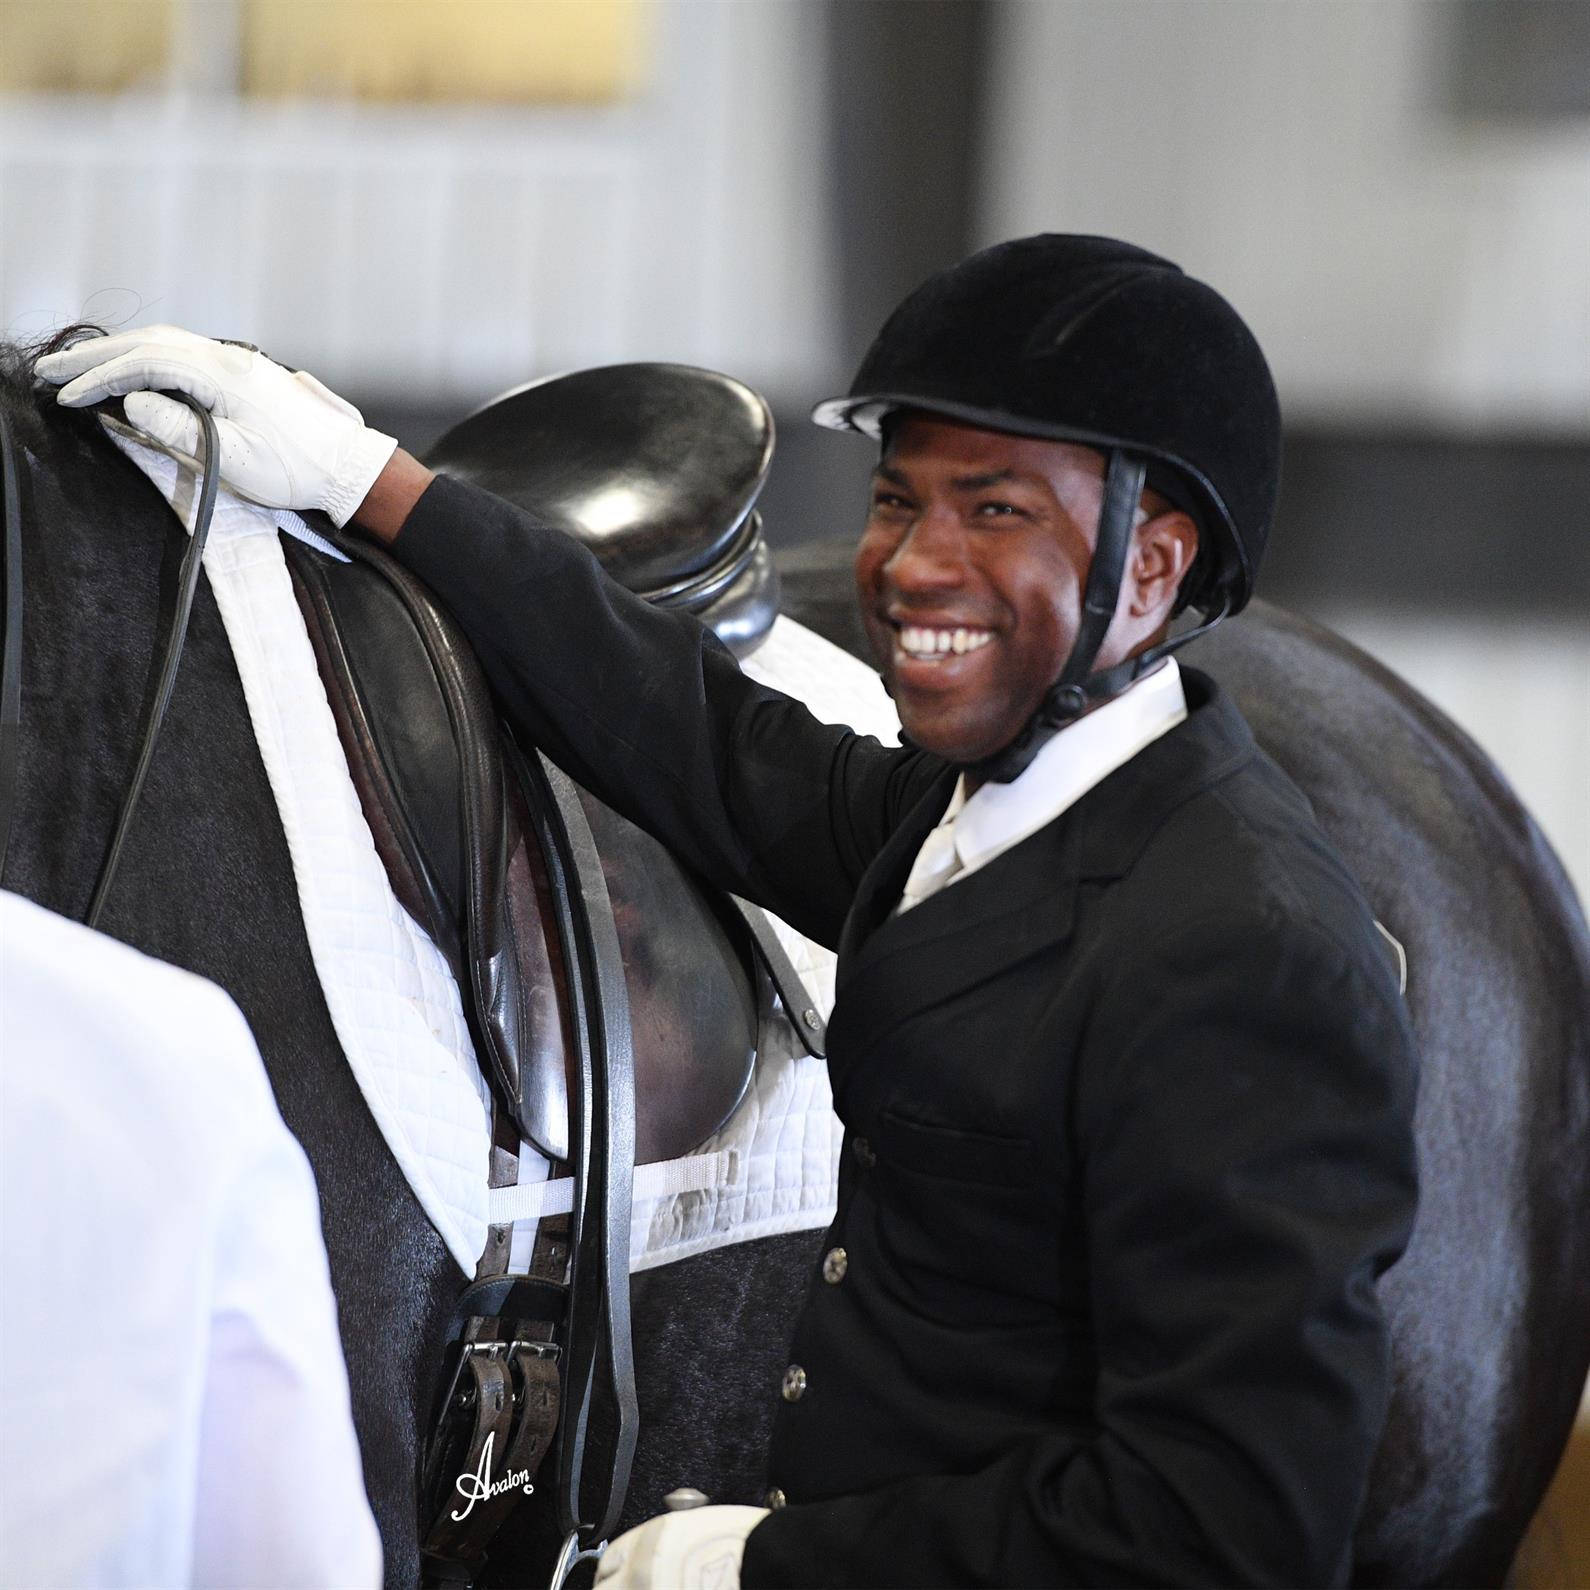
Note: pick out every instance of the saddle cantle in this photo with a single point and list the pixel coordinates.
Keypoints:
(655, 467)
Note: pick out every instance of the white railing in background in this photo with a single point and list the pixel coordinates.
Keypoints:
(439, 251)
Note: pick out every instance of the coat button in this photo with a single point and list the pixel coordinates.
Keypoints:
(862, 1149)
(775, 1499)
(835, 1262)
(794, 1387)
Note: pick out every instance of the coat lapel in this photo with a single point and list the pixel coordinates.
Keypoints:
(1014, 907)
(1024, 901)
(879, 890)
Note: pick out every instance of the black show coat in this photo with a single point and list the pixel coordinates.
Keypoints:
(1128, 1114)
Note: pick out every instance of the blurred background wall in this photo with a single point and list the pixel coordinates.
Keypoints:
(428, 201)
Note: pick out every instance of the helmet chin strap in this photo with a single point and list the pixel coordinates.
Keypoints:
(1078, 688)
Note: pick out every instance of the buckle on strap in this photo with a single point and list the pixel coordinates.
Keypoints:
(572, 1554)
(494, 1427)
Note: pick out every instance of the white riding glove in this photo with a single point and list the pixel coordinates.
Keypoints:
(285, 440)
(695, 1550)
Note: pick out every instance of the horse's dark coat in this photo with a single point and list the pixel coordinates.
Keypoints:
(207, 884)
(1492, 1303)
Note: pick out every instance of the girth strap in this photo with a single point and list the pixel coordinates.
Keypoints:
(494, 1421)
(603, 1138)
(484, 1394)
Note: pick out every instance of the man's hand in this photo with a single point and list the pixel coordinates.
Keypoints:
(695, 1550)
(286, 441)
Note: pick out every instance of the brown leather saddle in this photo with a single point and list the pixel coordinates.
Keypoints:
(656, 468)
(682, 453)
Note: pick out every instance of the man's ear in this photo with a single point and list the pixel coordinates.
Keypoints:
(1163, 549)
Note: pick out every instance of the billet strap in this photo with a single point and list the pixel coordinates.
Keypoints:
(502, 1173)
(11, 649)
(798, 1002)
(482, 1391)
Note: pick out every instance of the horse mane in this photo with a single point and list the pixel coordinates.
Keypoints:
(28, 402)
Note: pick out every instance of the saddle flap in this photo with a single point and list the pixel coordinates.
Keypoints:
(419, 733)
(449, 813)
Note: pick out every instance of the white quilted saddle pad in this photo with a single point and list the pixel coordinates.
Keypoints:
(773, 1168)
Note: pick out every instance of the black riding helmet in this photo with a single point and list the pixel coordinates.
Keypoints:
(1085, 339)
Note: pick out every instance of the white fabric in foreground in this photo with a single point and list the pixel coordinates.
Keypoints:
(173, 1404)
(772, 1169)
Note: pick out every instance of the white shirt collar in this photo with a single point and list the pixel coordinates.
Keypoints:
(1081, 755)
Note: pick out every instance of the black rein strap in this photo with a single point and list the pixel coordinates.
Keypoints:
(11, 652)
(188, 585)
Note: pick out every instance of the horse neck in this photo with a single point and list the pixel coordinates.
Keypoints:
(93, 537)
(207, 883)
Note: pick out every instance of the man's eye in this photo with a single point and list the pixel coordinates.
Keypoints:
(996, 509)
(888, 502)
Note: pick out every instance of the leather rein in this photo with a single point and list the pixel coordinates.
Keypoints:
(597, 1328)
(11, 666)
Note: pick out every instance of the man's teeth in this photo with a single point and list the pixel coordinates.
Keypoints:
(918, 642)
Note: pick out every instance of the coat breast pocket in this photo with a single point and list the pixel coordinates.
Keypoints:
(954, 1154)
(963, 1220)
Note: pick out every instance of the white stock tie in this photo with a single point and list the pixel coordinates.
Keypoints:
(936, 863)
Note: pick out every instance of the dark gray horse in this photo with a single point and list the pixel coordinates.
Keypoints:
(1492, 1322)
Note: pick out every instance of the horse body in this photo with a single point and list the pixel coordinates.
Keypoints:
(1490, 1306)
(1497, 985)
(206, 883)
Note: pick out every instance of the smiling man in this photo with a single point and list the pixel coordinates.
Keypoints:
(971, 572)
(1126, 1079)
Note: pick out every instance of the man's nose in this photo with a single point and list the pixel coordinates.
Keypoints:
(931, 555)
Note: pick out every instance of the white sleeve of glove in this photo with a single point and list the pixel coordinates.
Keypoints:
(695, 1550)
(285, 440)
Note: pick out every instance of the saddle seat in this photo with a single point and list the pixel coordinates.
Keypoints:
(449, 796)
(655, 467)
